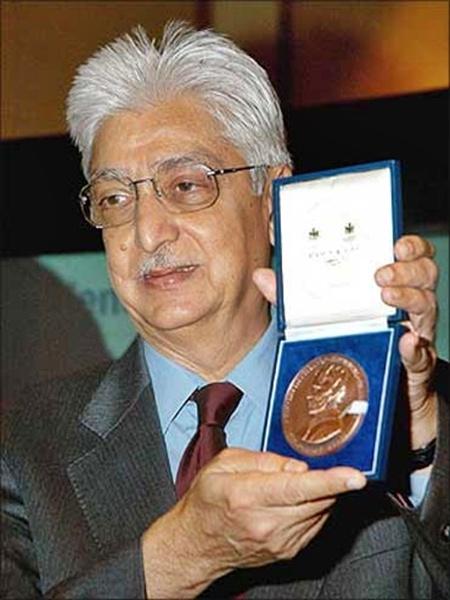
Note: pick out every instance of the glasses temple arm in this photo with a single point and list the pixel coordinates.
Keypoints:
(235, 169)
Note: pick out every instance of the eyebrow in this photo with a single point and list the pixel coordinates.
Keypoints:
(108, 172)
(198, 156)
(194, 157)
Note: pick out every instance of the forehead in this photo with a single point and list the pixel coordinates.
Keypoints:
(181, 127)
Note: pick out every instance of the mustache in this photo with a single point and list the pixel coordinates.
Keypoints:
(163, 258)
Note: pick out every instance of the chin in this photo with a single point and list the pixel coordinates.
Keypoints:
(171, 318)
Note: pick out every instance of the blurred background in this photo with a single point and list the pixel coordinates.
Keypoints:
(359, 81)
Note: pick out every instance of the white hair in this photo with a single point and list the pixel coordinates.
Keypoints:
(133, 72)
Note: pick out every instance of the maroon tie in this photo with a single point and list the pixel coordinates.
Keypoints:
(215, 402)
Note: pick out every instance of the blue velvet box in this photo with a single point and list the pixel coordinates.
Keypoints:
(336, 374)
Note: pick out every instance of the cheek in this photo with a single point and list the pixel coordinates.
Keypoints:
(119, 257)
(233, 252)
(243, 236)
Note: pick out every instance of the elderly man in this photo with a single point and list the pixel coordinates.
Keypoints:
(180, 145)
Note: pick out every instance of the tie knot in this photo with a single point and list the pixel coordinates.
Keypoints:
(216, 402)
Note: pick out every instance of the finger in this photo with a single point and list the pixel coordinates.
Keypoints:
(304, 510)
(264, 279)
(288, 489)
(297, 537)
(410, 247)
(418, 273)
(317, 484)
(239, 460)
(286, 516)
(314, 529)
(420, 305)
(418, 356)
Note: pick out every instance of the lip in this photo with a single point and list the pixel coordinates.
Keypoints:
(169, 278)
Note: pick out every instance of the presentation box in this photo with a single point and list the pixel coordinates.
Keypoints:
(336, 375)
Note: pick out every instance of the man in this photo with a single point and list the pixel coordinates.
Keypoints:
(180, 145)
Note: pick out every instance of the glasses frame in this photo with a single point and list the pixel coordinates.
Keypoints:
(84, 200)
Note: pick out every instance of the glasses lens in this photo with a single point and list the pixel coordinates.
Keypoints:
(187, 187)
(111, 201)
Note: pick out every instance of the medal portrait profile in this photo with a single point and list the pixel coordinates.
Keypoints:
(325, 405)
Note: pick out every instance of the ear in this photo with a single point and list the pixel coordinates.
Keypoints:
(273, 173)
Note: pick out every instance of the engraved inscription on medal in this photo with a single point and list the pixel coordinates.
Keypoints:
(325, 405)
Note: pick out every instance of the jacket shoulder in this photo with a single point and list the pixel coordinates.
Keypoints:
(50, 408)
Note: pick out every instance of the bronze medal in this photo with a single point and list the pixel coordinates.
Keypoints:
(325, 405)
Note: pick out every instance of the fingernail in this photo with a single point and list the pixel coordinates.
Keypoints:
(385, 276)
(355, 483)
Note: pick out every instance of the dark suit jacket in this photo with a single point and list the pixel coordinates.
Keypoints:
(86, 472)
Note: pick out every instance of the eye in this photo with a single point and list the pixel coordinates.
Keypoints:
(109, 193)
(114, 200)
(186, 186)
(193, 187)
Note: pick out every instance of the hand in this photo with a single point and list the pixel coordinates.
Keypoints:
(410, 284)
(244, 509)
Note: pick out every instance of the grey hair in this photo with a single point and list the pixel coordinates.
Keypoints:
(132, 72)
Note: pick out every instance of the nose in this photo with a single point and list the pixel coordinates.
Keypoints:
(155, 226)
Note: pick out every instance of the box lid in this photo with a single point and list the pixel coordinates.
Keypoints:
(333, 230)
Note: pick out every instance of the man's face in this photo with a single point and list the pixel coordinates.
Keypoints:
(201, 263)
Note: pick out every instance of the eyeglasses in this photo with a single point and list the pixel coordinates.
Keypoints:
(110, 200)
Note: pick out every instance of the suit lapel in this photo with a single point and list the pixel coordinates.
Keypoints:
(123, 483)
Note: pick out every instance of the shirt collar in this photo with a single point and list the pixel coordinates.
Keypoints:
(253, 374)
(173, 383)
